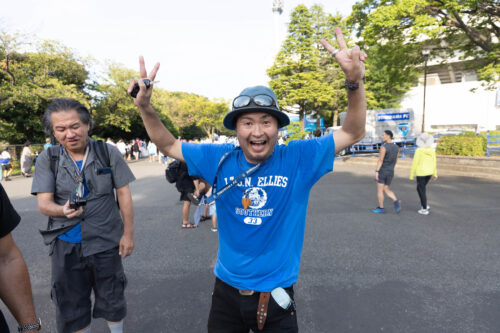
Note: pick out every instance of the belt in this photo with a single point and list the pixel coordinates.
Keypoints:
(261, 308)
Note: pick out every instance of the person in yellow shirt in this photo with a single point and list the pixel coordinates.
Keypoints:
(424, 167)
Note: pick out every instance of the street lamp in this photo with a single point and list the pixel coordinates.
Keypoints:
(426, 53)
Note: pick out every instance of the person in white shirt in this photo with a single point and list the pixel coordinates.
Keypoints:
(5, 161)
(122, 148)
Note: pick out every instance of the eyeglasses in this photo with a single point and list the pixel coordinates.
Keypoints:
(260, 100)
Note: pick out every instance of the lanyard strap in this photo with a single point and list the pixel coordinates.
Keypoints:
(79, 175)
(217, 193)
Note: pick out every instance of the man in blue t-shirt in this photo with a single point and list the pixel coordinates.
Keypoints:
(261, 192)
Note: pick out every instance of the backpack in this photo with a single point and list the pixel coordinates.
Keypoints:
(101, 151)
(99, 146)
(172, 172)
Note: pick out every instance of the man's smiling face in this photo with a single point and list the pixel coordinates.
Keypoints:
(257, 134)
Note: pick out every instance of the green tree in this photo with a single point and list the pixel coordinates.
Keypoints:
(30, 80)
(295, 75)
(324, 28)
(196, 116)
(211, 116)
(395, 31)
(115, 114)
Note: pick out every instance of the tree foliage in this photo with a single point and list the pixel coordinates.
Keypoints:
(304, 73)
(30, 80)
(115, 114)
(296, 77)
(32, 74)
(394, 32)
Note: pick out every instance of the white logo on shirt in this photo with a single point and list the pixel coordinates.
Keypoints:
(258, 197)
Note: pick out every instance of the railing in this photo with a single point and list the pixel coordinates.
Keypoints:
(492, 142)
(372, 145)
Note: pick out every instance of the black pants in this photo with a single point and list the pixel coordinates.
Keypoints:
(421, 184)
(234, 313)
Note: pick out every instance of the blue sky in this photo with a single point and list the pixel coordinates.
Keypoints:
(211, 48)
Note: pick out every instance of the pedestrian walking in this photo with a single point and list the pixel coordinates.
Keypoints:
(26, 160)
(89, 234)
(122, 148)
(47, 144)
(261, 192)
(424, 167)
(5, 162)
(186, 185)
(151, 151)
(384, 172)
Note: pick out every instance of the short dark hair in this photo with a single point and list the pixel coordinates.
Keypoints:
(66, 104)
(389, 133)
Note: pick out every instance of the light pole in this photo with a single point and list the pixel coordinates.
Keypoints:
(425, 53)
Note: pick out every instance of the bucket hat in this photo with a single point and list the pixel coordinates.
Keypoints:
(425, 140)
(230, 118)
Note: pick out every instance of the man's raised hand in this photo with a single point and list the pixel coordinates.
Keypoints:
(351, 61)
(144, 96)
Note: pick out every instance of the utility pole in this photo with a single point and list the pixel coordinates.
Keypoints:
(426, 53)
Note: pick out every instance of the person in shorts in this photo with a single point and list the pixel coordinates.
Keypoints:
(5, 161)
(384, 172)
(87, 242)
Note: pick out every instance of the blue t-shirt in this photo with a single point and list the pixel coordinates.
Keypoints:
(260, 247)
(74, 235)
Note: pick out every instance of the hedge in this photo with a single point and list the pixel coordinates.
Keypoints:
(462, 145)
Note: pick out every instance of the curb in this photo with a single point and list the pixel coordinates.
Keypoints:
(477, 167)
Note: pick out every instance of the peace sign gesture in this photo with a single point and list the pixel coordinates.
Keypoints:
(351, 61)
(144, 96)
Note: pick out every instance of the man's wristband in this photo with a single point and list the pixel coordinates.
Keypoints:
(352, 86)
(35, 326)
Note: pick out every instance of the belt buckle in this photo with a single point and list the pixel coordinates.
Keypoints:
(246, 292)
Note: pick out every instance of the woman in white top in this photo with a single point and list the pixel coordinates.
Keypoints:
(26, 160)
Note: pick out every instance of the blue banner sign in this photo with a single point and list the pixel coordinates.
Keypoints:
(393, 116)
(310, 124)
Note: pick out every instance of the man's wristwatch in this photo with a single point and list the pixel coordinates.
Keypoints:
(351, 85)
(37, 325)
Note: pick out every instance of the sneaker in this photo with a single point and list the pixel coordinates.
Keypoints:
(423, 211)
(213, 229)
(379, 210)
(398, 205)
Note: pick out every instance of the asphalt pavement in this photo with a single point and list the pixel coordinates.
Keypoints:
(360, 272)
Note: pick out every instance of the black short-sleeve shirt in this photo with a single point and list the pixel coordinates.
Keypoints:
(9, 219)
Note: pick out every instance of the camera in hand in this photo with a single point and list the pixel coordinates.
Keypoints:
(76, 201)
(136, 88)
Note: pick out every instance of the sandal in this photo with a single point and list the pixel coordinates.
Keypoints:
(188, 226)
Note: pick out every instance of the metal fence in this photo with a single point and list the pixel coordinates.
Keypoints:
(373, 144)
(492, 143)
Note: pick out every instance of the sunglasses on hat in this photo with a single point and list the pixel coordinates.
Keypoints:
(259, 100)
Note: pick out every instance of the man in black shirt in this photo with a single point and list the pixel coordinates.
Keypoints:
(384, 172)
(15, 286)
